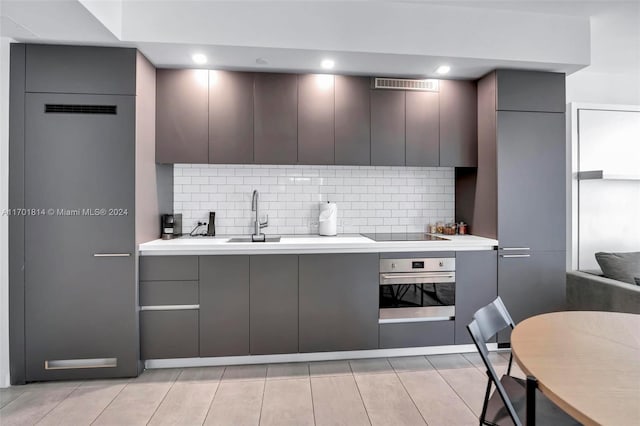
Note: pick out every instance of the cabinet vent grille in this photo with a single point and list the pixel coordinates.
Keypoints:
(428, 85)
(80, 109)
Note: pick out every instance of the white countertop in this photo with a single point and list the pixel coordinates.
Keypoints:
(308, 244)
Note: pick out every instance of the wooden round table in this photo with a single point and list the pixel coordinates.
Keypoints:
(587, 363)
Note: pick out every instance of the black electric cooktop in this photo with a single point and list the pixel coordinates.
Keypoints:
(404, 236)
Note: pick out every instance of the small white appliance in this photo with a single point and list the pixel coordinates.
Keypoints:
(328, 220)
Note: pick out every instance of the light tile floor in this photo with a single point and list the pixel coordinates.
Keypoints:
(435, 390)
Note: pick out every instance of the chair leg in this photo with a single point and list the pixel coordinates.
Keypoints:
(510, 362)
(486, 400)
(532, 385)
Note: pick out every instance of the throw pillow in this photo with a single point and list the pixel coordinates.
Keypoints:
(620, 266)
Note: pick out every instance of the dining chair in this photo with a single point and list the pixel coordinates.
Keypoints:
(509, 404)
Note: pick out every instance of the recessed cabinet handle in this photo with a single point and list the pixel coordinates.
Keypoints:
(111, 254)
(515, 248)
(514, 255)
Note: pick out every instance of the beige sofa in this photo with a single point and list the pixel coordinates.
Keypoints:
(591, 292)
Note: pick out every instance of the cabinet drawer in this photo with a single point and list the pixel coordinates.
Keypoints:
(416, 334)
(169, 334)
(154, 293)
(168, 268)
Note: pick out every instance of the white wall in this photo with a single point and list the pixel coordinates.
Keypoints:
(4, 222)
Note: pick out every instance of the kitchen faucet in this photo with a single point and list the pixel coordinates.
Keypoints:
(258, 235)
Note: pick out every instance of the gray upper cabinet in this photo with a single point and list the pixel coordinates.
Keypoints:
(338, 302)
(352, 121)
(80, 69)
(458, 123)
(275, 118)
(531, 180)
(182, 116)
(530, 91)
(230, 117)
(476, 286)
(387, 128)
(224, 305)
(274, 304)
(316, 119)
(422, 129)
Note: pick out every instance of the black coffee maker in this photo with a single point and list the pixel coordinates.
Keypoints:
(170, 226)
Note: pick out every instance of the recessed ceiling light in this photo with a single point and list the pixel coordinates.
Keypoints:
(327, 64)
(443, 69)
(199, 58)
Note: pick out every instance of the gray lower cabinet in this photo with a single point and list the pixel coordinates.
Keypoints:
(230, 117)
(274, 304)
(352, 120)
(531, 153)
(416, 334)
(182, 116)
(531, 283)
(338, 302)
(224, 305)
(458, 123)
(422, 129)
(476, 286)
(168, 268)
(387, 128)
(169, 334)
(316, 104)
(275, 137)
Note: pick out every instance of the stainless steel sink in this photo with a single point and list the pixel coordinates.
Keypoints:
(248, 240)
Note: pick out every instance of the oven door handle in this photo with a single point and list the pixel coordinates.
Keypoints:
(413, 278)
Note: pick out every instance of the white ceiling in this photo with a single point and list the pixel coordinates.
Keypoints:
(403, 38)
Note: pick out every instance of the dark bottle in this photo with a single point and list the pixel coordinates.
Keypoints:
(211, 228)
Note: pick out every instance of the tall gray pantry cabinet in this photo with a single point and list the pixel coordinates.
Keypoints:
(75, 116)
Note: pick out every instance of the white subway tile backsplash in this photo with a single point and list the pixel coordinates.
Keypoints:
(369, 198)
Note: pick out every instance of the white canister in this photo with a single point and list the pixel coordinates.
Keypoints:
(328, 220)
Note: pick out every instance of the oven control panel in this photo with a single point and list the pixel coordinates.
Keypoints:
(418, 265)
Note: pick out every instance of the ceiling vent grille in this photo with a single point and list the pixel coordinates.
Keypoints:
(428, 85)
(80, 109)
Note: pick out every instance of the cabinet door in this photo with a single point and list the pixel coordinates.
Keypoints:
(530, 91)
(275, 118)
(169, 334)
(422, 129)
(476, 286)
(224, 305)
(338, 302)
(531, 180)
(230, 117)
(352, 121)
(315, 119)
(458, 124)
(274, 304)
(531, 283)
(182, 116)
(387, 128)
(78, 305)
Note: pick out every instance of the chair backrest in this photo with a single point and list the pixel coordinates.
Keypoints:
(488, 321)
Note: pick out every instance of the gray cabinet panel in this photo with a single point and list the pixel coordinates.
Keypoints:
(224, 305)
(530, 91)
(531, 285)
(352, 121)
(476, 286)
(387, 128)
(458, 123)
(416, 334)
(182, 116)
(154, 293)
(338, 304)
(422, 129)
(316, 119)
(275, 118)
(230, 117)
(274, 304)
(531, 180)
(80, 69)
(168, 268)
(168, 334)
(77, 305)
